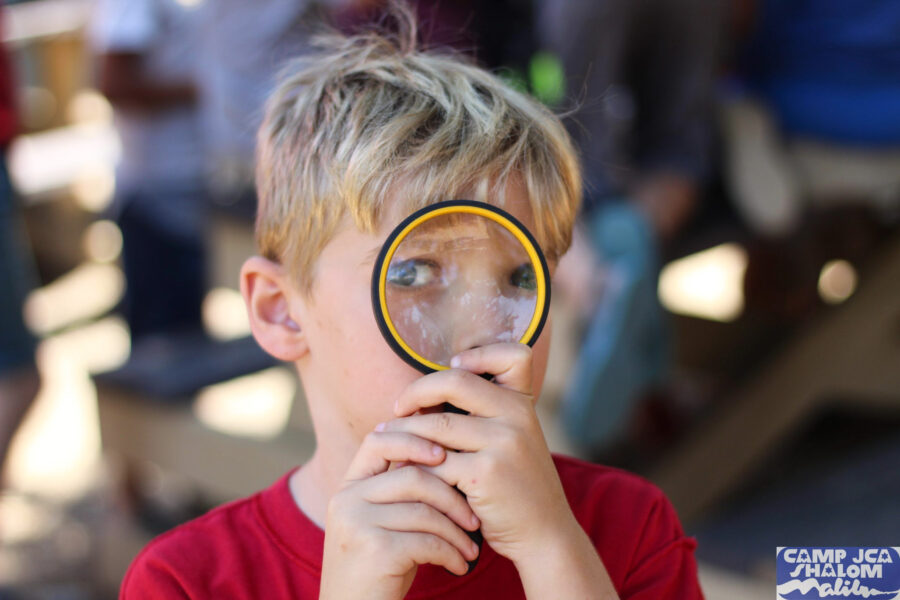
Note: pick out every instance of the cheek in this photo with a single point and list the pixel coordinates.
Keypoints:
(374, 384)
(366, 374)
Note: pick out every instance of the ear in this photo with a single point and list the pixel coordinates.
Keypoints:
(268, 295)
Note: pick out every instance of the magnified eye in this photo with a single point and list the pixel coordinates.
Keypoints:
(412, 273)
(523, 277)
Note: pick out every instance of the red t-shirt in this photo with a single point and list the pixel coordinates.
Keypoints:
(265, 547)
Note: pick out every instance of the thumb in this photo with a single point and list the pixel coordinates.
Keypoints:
(510, 363)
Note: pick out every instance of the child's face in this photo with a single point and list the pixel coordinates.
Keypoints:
(351, 375)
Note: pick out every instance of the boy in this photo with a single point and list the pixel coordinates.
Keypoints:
(354, 139)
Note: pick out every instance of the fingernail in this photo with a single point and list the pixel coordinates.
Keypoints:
(474, 521)
(396, 406)
(379, 427)
(455, 362)
(474, 547)
(436, 450)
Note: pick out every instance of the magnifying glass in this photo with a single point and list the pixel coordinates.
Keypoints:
(458, 275)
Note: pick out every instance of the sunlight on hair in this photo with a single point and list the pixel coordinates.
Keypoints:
(837, 281)
(224, 314)
(256, 406)
(87, 291)
(708, 284)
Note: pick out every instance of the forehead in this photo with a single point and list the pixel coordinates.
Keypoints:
(514, 201)
(457, 231)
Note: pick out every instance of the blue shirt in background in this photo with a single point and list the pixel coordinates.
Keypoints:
(830, 68)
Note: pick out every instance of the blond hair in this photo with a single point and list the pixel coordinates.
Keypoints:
(371, 119)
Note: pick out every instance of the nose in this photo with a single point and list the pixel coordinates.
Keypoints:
(482, 317)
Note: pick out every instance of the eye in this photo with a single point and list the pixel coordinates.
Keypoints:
(412, 273)
(523, 277)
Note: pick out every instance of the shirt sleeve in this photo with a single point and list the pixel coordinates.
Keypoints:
(664, 565)
(149, 578)
(123, 25)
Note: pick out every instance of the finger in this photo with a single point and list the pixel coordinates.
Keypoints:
(379, 449)
(427, 548)
(419, 517)
(458, 470)
(412, 484)
(466, 433)
(460, 388)
(509, 363)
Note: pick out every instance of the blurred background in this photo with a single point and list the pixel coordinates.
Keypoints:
(727, 323)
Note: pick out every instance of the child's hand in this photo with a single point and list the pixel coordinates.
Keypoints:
(504, 466)
(383, 523)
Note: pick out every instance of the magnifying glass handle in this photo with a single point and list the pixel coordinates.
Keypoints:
(476, 535)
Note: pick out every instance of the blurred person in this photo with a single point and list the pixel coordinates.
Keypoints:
(187, 81)
(642, 74)
(19, 379)
(812, 113)
(243, 45)
(148, 53)
(499, 34)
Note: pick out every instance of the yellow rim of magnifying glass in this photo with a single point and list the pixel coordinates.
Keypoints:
(456, 206)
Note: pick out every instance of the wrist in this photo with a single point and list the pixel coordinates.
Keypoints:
(564, 564)
(562, 539)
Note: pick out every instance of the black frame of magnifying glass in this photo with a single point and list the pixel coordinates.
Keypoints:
(380, 266)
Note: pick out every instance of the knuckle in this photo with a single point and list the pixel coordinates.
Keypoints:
(475, 354)
(509, 440)
(523, 353)
(442, 422)
(339, 504)
(413, 475)
(491, 466)
(377, 542)
(422, 512)
(433, 544)
(456, 378)
(340, 518)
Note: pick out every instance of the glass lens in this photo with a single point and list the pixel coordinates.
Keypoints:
(459, 281)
